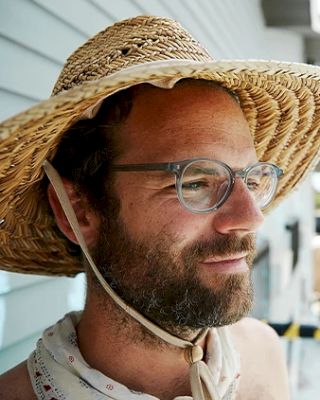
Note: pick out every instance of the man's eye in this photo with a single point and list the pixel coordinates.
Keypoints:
(194, 186)
(253, 185)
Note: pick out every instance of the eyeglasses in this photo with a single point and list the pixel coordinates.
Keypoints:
(203, 185)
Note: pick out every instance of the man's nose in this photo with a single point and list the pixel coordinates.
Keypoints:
(240, 214)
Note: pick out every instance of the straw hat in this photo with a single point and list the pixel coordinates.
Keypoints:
(281, 102)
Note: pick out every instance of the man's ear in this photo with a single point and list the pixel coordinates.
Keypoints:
(88, 220)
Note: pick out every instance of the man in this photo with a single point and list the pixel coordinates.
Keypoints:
(165, 159)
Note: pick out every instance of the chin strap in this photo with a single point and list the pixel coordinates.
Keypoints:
(201, 379)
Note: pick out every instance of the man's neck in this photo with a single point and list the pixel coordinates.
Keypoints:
(119, 347)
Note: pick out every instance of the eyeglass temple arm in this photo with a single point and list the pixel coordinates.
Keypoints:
(242, 172)
(171, 167)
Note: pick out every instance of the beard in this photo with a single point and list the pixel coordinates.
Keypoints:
(165, 285)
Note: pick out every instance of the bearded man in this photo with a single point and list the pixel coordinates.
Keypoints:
(160, 165)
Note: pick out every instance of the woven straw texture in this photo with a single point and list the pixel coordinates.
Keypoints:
(280, 100)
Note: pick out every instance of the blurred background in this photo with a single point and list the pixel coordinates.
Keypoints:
(36, 36)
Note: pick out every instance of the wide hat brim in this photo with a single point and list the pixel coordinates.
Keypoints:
(280, 101)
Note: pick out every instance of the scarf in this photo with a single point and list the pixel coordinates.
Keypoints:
(58, 371)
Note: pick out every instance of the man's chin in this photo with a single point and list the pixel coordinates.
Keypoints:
(220, 282)
(206, 306)
(232, 297)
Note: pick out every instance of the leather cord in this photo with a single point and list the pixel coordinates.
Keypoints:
(201, 379)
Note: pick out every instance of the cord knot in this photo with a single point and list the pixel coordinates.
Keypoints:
(193, 354)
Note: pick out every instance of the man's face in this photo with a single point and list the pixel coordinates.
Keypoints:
(180, 269)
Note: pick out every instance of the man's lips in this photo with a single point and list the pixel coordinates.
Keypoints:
(230, 257)
(227, 264)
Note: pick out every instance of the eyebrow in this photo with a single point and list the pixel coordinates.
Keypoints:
(172, 166)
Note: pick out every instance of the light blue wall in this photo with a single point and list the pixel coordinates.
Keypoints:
(36, 36)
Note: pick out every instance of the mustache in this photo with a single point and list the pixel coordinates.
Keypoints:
(220, 246)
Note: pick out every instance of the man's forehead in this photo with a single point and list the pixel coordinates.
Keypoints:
(187, 117)
(239, 153)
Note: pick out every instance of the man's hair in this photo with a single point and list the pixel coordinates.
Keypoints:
(86, 152)
(90, 146)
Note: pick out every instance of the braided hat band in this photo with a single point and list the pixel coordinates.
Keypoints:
(281, 103)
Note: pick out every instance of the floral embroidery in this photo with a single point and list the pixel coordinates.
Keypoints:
(71, 359)
(83, 383)
(47, 387)
(72, 339)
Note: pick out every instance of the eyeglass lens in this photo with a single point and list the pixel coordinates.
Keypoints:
(262, 183)
(205, 184)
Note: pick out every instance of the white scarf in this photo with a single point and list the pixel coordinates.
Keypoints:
(58, 371)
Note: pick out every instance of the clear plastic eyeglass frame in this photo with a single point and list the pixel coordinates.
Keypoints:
(179, 168)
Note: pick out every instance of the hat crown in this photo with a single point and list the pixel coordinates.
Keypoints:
(127, 43)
